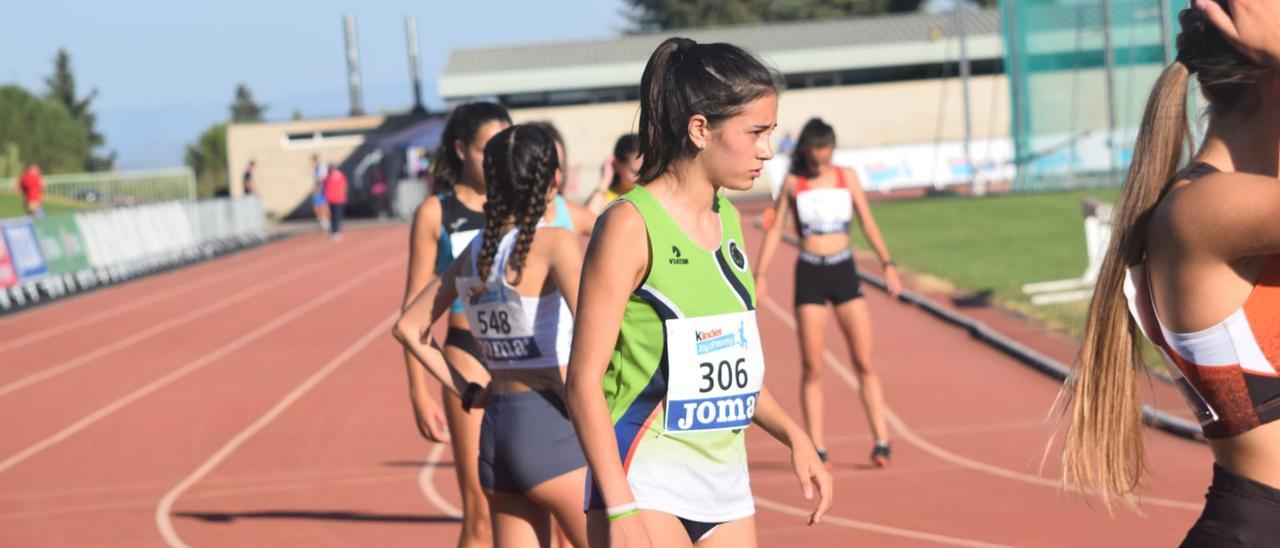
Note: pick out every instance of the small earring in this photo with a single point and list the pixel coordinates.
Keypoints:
(702, 146)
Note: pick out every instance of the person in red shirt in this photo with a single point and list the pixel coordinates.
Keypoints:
(335, 192)
(32, 187)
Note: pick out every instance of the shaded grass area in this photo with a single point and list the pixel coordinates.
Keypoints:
(994, 245)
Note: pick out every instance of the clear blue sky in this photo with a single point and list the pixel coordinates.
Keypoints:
(166, 70)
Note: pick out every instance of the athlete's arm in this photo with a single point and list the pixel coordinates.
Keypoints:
(583, 219)
(611, 271)
(781, 207)
(423, 236)
(413, 327)
(804, 458)
(872, 231)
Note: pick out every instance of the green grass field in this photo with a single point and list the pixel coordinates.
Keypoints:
(11, 206)
(996, 243)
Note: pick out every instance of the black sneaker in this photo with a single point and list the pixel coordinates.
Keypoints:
(880, 454)
(822, 456)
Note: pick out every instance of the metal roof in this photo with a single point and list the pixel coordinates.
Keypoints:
(793, 47)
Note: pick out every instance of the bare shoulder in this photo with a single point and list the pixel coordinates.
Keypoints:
(851, 177)
(1217, 206)
(620, 220)
(428, 212)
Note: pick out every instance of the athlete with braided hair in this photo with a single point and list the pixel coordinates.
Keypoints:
(518, 282)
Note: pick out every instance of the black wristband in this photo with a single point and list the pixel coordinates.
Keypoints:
(469, 395)
(890, 262)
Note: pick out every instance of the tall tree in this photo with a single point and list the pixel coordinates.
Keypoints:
(207, 157)
(61, 87)
(244, 109)
(42, 131)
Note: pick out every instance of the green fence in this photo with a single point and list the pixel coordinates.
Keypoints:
(1079, 74)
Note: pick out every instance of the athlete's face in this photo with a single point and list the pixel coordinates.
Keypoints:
(472, 154)
(629, 170)
(736, 151)
(821, 156)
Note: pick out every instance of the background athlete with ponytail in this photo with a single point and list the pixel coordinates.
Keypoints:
(518, 282)
(825, 198)
(671, 334)
(1194, 265)
(443, 227)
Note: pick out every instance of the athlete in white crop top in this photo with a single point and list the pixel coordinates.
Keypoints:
(518, 287)
(825, 198)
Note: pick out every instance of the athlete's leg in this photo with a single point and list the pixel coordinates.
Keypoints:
(855, 322)
(812, 322)
(562, 496)
(464, 430)
(519, 522)
(739, 533)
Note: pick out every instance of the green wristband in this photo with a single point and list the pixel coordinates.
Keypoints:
(623, 515)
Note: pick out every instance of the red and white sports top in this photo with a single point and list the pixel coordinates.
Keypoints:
(823, 210)
(1229, 372)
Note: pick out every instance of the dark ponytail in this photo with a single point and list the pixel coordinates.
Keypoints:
(684, 78)
(815, 135)
(463, 124)
(519, 165)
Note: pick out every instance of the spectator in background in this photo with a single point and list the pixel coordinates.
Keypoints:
(319, 204)
(620, 173)
(248, 178)
(335, 192)
(32, 186)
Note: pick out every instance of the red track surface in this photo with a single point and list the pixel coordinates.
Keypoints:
(259, 400)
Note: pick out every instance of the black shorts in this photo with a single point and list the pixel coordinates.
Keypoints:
(463, 340)
(831, 278)
(1237, 512)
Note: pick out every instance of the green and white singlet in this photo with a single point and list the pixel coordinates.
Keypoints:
(686, 373)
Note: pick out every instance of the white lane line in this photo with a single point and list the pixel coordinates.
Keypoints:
(144, 301)
(426, 482)
(153, 330)
(877, 528)
(164, 509)
(253, 335)
(901, 428)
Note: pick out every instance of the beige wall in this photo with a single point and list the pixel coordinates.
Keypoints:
(284, 174)
(863, 116)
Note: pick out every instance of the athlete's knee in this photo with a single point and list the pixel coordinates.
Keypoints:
(812, 370)
(864, 370)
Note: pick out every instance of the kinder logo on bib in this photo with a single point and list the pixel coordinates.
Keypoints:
(717, 339)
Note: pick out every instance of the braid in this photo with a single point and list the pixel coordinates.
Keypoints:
(519, 165)
(495, 216)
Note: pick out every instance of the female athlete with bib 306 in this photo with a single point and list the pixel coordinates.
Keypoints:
(1194, 265)
(667, 323)
(518, 283)
(825, 198)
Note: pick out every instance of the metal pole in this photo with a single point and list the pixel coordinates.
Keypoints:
(415, 73)
(353, 63)
(1166, 45)
(1109, 60)
(978, 187)
(1016, 92)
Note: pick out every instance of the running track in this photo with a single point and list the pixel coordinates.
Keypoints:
(259, 400)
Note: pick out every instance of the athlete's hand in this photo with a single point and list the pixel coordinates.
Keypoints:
(431, 420)
(606, 173)
(892, 281)
(814, 478)
(629, 533)
(1253, 27)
